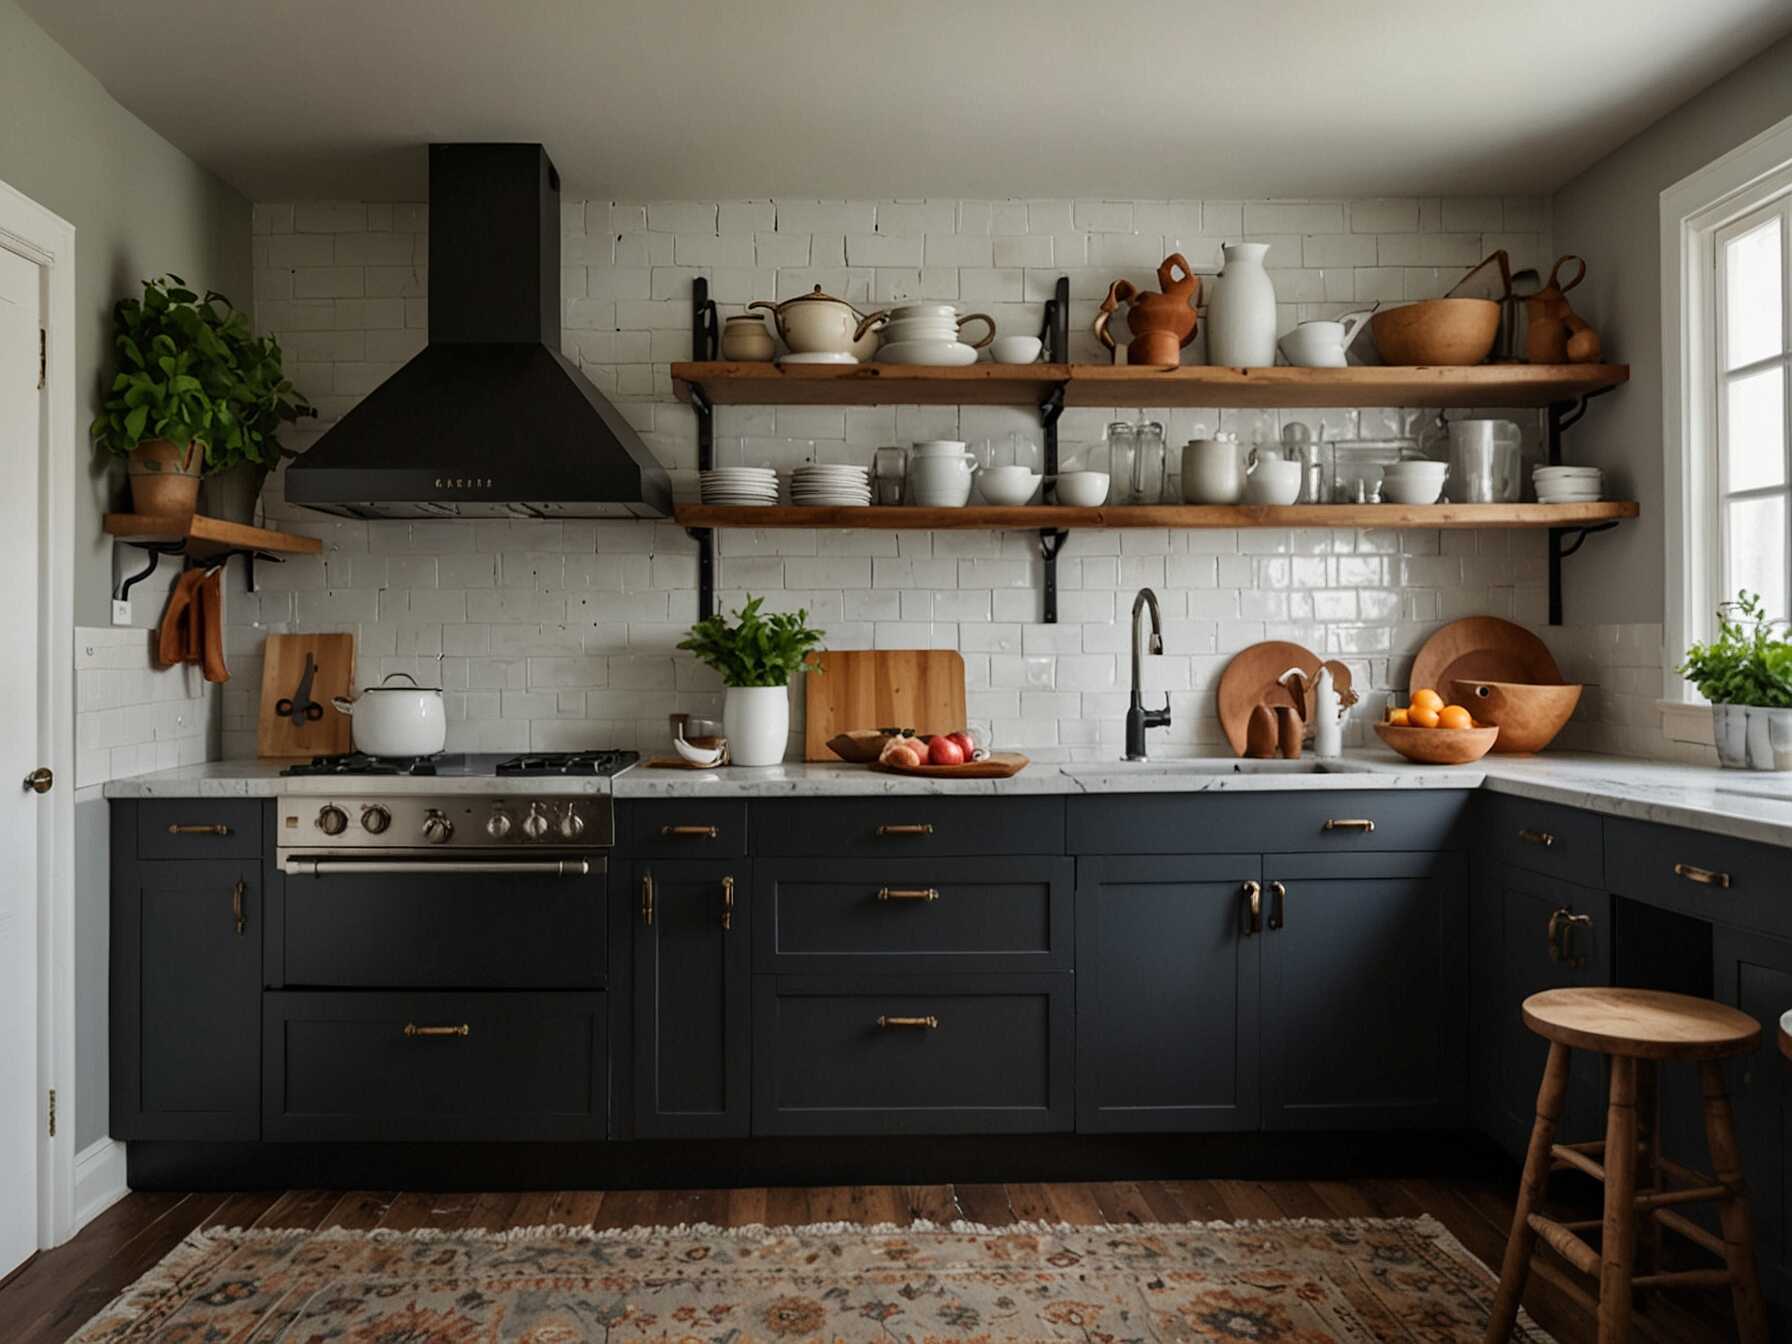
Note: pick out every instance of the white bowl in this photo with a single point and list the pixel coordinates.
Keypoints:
(697, 755)
(1015, 349)
(1081, 489)
(1410, 492)
(1416, 468)
(1007, 486)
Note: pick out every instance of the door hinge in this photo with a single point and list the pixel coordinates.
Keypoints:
(43, 357)
(52, 1112)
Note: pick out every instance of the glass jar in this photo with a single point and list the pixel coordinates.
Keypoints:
(1148, 462)
(1121, 440)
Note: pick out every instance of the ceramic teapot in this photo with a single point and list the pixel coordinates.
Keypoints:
(819, 324)
(1161, 324)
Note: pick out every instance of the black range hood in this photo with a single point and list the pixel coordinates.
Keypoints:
(490, 420)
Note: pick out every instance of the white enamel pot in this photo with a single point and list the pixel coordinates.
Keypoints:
(397, 721)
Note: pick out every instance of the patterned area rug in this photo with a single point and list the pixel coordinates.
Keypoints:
(1294, 1282)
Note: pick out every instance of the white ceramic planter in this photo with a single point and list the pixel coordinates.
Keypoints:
(756, 720)
(1752, 738)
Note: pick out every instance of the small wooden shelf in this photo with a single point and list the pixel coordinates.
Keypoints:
(1031, 517)
(1488, 385)
(207, 536)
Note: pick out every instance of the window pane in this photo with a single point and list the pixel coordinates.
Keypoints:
(1757, 551)
(1752, 301)
(1755, 430)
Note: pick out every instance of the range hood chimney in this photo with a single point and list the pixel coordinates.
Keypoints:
(490, 420)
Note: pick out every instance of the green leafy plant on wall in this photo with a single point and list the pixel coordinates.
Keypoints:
(757, 650)
(1747, 663)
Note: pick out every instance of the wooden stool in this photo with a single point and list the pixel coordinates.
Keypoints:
(1637, 1029)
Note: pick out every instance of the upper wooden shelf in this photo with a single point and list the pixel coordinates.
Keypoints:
(1487, 385)
(207, 536)
(1163, 515)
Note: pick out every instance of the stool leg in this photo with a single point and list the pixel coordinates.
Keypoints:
(1648, 1116)
(1739, 1232)
(1523, 1240)
(1617, 1249)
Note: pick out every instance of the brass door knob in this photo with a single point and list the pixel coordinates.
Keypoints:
(40, 780)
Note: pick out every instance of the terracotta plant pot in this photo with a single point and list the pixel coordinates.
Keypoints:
(1437, 331)
(165, 477)
(1527, 716)
(233, 493)
(1438, 746)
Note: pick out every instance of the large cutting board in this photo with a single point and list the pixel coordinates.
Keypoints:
(282, 665)
(921, 689)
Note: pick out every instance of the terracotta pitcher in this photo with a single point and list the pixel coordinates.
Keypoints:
(1161, 324)
(1556, 334)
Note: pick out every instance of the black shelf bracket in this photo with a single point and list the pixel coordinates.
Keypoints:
(705, 537)
(705, 340)
(1051, 541)
(1056, 335)
(1565, 541)
(157, 549)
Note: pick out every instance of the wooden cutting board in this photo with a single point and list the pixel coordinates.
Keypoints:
(921, 689)
(282, 666)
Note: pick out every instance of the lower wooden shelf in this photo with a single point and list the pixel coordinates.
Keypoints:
(1028, 517)
(207, 536)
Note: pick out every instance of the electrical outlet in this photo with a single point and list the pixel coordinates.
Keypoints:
(121, 611)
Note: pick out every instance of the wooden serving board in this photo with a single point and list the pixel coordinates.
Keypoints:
(282, 665)
(997, 765)
(922, 689)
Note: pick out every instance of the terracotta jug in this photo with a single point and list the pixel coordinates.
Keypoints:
(1555, 333)
(1161, 324)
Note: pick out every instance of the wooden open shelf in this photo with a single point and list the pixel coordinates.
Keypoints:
(1486, 385)
(1029, 517)
(207, 536)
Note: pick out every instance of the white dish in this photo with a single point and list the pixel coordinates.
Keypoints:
(1007, 487)
(1081, 489)
(941, 354)
(819, 357)
(1015, 349)
(697, 755)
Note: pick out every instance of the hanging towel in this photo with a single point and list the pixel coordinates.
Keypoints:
(210, 609)
(176, 640)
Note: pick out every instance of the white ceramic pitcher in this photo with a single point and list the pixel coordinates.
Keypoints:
(1241, 315)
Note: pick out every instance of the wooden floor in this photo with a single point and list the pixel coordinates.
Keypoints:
(50, 1297)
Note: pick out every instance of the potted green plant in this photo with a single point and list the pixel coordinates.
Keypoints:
(255, 398)
(756, 657)
(1745, 671)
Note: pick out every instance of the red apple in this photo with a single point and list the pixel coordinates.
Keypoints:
(945, 751)
(965, 744)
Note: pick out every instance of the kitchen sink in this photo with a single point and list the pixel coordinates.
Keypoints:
(1212, 765)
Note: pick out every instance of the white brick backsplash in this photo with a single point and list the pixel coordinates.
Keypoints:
(841, 217)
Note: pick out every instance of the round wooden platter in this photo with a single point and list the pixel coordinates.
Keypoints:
(997, 765)
(1482, 648)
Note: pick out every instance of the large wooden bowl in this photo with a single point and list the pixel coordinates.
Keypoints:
(1438, 746)
(1528, 716)
(1437, 331)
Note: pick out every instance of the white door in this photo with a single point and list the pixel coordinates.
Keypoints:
(20, 322)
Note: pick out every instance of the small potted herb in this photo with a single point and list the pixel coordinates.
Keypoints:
(756, 657)
(1746, 674)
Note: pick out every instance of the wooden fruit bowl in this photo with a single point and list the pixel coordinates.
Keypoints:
(1528, 716)
(860, 746)
(1436, 331)
(997, 765)
(1438, 746)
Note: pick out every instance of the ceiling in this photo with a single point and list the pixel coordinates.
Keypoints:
(667, 99)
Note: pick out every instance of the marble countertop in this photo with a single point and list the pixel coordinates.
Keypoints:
(1738, 803)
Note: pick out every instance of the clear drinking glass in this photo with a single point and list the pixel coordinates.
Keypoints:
(1122, 442)
(889, 474)
(1148, 462)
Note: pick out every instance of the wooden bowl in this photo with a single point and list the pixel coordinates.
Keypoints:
(1528, 716)
(861, 746)
(1437, 331)
(1438, 746)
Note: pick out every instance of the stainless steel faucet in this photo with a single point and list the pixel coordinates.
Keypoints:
(1138, 718)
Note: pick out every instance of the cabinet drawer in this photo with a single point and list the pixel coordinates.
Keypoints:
(902, 826)
(434, 1066)
(198, 828)
(1545, 838)
(1713, 877)
(997, 1058)
(884, 915)
(1337, 821)
(695, 828)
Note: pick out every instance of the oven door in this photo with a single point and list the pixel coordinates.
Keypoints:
(408, 920)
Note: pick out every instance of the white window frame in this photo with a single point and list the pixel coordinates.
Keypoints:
(1693, 212)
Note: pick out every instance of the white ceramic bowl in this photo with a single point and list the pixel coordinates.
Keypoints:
(1015, 349)
(1410, 492)
(945, 354)
(1081, 489)
(918, 329)
(1007, 486)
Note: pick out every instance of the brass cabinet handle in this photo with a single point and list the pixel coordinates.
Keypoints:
(727, 904)
(177, 829)
(908, 894)
(240, 890)
(647, 899)
(1363, 824)
(929, 1023)
(1562, 939)
(1541, 838)
(412, 1030)
(1276, 912)
(1253, 907)
(691, 832)
(1705, 877)
(911, 828)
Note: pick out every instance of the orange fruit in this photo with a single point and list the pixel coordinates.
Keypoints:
(1422, 716)
(1397, 717)
(1427, 698)
(1455, 716)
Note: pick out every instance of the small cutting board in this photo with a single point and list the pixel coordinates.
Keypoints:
(282, 668)
(921, 689)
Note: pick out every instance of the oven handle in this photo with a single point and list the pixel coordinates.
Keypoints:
(296, 866)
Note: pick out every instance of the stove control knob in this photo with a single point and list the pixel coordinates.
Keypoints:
(535, 825)
(375, 820)
(572, 825)
(436, 827)
(332, 820)
(498, 826)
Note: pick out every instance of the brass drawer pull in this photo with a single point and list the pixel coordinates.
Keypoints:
(647, 899)
(240, 890)
(1253, 908)
(727, 904)
(1277, 912)
(412, 1030)
(911, 828)
(908, 894)
(175, 828)
(929, 1023)
(691, 832)
(1703, 876)
(1542, 838)
(1562, 939)
(1363, 824)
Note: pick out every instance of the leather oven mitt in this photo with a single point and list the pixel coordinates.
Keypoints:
(176, 640)
(209, 608)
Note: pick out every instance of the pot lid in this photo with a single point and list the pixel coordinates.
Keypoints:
(413, 687)
(814, 296)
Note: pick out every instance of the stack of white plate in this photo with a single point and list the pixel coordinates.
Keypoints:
(740, 486)
(1568, 485)
(830, 485)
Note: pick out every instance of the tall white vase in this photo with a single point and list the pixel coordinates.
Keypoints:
(756, 720)
(1241, 316)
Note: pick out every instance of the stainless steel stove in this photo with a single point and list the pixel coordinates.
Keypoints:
(464, 765)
